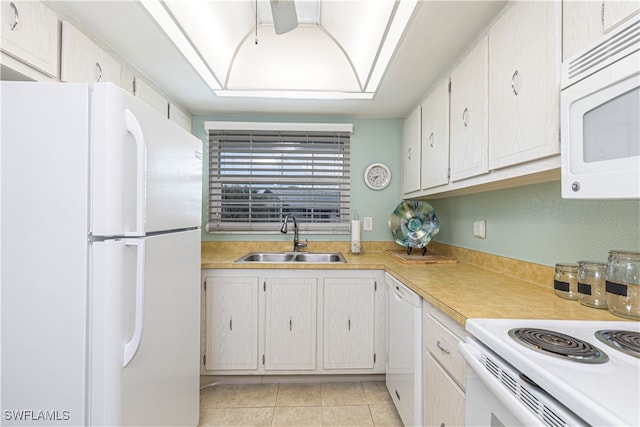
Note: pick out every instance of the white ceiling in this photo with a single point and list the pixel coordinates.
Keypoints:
(438, 33)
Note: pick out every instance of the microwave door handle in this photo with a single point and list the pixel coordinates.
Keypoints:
(132, 346)
(134, 128)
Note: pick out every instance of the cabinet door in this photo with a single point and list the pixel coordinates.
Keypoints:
(178, 116)
(232, 323)
(616, 11)
(411, 152)
(83, 61)
(435, 137)
(30, 34)
(524, 83)
(581, 25)
(348, 323)
(444, 402)
(584, 22)
(290, 323)
(469, 124)
(150, 96)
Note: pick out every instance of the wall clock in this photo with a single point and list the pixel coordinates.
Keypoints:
(377, 176)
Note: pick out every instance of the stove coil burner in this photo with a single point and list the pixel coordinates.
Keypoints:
(559, 345)
(626, 341)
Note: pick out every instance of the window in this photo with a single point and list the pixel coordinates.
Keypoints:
(261, 172)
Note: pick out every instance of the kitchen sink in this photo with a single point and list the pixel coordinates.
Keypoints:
(293, 257)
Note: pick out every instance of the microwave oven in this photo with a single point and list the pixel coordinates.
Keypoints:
(600, 117)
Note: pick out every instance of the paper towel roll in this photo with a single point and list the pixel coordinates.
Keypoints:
(355, 236)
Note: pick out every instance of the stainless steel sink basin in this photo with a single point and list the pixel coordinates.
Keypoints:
(293, 257)
(266, 257)
(319, 257)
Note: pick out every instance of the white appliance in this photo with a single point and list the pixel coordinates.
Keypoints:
(404, 351)
(100, 259)
(600, 116)
(511, 383)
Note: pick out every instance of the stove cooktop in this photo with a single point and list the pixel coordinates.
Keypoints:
(600, 382)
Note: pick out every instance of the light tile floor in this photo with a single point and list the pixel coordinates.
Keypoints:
(364, 403)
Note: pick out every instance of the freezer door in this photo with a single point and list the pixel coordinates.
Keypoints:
(146, 170)
(145, 350)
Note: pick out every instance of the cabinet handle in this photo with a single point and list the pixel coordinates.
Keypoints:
(397, 394)
(431, 140)
(409, 153)
(290, 324)
(513, 83)
(465, 117)
(231, 323)
(444, 350)
(349, 324)
(99, 68)
(16, 16)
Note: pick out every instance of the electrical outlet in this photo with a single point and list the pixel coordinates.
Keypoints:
(480, 229)
(368, 223)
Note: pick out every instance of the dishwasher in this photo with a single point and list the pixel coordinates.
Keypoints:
(404, 351)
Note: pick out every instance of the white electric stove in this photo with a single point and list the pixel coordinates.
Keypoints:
(518, 375)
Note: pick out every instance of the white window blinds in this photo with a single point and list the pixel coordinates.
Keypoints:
(257, 177)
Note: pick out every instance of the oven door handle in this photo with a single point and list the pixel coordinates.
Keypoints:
(472, 356)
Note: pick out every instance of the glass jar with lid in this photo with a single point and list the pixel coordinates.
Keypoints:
(623, 284)
(591, 283)
(565, 280)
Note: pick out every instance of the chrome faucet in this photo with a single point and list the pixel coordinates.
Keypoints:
(296, 243)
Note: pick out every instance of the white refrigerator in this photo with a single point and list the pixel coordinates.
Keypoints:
(100, 259)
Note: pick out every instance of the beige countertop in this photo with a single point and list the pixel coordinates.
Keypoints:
(461, 290)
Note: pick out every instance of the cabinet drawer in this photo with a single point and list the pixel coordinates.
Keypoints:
(30, 34)
(443, 345)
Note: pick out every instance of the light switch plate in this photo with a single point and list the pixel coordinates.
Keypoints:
(368, 223)
(480, 229)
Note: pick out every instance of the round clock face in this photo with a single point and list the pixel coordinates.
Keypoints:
(377, 176)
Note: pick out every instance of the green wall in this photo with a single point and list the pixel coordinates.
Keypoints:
(534, 223)
(373, 140)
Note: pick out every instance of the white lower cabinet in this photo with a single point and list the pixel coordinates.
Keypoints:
(266, 322)
(290, 323)
(349, 323)
(232, 327)
(444, 400)
(444, 369)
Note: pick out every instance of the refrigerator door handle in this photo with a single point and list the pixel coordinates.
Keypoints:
(134, 128)
(131, 347)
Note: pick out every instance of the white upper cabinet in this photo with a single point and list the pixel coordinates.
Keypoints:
(586, 21)
(290, 323)
(178, 116)
(349, 309)
(411, 152)
(435, 137)
(231, 323)
(615, 11)
(82, 61)
(30, 35)
(469, 134)
(149, 95)
(524, 83)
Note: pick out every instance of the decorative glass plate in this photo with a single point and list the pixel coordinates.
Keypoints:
(413, 224)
